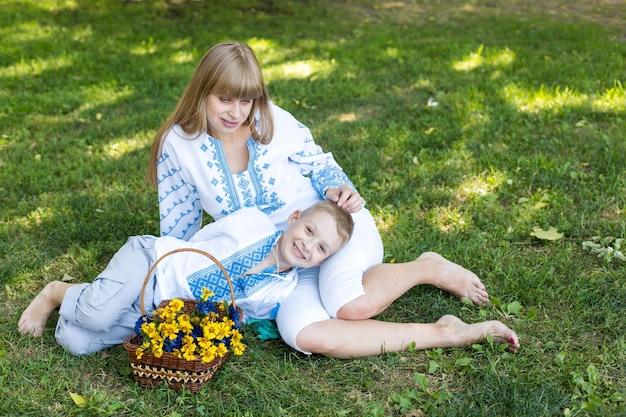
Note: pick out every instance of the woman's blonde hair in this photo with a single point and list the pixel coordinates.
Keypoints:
(230, 69)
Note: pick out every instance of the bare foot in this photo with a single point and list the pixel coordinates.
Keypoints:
(35, 317)
(456, 280)
(464, 334)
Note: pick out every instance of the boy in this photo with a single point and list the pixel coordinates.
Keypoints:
(261, 262)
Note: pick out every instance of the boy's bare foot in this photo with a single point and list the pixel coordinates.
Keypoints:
(464, 334)
(456, 280)
(34, 318)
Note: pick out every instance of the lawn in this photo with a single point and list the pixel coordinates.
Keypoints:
(492, 132)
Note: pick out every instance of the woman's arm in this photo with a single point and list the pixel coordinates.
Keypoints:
(180, 210)
(327, 177)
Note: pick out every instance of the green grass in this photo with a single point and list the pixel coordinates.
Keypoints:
(528, 132)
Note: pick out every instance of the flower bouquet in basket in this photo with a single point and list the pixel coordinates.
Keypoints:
(184, 342)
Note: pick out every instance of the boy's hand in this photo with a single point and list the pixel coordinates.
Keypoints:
(345, 197)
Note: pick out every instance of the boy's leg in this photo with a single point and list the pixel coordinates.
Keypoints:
(104, 312)
(100, 314)
(33, 320)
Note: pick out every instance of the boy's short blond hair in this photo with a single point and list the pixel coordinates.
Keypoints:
(345, 224)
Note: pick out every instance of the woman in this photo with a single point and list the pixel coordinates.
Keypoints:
(226, 146)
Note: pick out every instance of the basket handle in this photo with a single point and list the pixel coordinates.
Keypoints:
(208, 255)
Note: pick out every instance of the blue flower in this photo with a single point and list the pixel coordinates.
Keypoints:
(225, 341)
(197, 332)
(233, 313)
(169, 345)
(206, 308)
(141, 320)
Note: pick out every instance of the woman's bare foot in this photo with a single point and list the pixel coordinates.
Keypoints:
(455, 279)
(464, 334)
(34, 318)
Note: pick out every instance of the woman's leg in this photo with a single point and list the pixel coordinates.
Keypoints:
(355, 285)
(301, 310)
(346, 339)
(384, 283)
(306, 324)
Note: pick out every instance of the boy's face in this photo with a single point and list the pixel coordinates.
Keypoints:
(309, 240)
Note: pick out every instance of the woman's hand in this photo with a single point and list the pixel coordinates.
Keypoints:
(345, 197)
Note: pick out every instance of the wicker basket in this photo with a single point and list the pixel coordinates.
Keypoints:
(179, 373)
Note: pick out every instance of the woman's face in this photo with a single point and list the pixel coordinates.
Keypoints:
(226, 114)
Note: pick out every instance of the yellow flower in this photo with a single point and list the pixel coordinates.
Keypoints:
(227, 321)
(206, 294)
(223, 330)
(188, 352)
(171, 321)
(208, 354)
(210, 330)
(235, 343)
(189, 356)
(238, 349)
(236, 336)
(149, 329)
(222, 350)
(204, 343)
(157, 351)
(184, 323)
(168, 330)
(176, 304)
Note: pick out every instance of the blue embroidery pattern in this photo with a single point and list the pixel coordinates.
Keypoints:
(329, 177)
(190, 201)
(265, 201)
(236, 265)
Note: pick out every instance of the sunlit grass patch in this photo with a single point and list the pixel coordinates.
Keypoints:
(558, 99)
(490, 58)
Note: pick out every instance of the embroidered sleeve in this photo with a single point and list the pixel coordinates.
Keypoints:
(180, 210)
(318, 165)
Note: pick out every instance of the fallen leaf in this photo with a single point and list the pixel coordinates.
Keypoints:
(514, 308)
(550, 234)
(78, 399)
(415, 413)
(67, 278)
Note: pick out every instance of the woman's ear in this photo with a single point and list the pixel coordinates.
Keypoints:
(293, 217)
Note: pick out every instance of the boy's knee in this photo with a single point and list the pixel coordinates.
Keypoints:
(78, 346)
